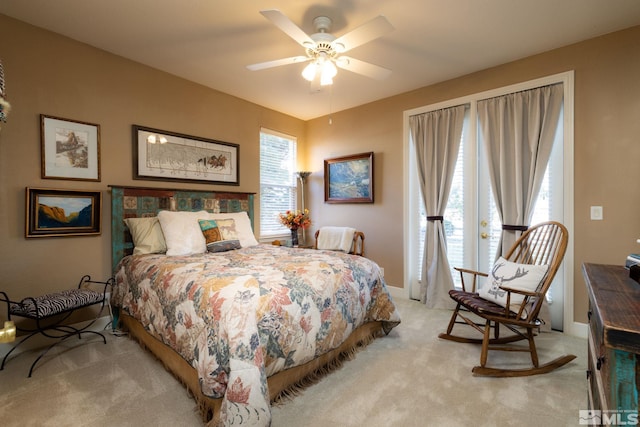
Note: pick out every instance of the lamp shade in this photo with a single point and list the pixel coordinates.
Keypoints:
(309, 71)
(326, 68)
(329, 71)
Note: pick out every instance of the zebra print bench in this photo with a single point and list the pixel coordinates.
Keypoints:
(51, 310)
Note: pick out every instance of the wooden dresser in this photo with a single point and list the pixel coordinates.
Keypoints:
(614, 341)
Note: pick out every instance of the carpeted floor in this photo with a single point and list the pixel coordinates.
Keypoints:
(408, 378)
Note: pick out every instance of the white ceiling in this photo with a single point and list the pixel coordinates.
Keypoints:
(212, 41)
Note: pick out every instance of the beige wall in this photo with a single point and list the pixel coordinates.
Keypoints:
(607, 151)
(53, 75)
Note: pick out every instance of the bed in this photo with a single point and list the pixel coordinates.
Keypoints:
(240, 324)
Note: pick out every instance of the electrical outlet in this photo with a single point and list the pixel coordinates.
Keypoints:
(382, 271)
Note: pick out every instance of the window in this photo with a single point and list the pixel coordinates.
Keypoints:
(277, 180)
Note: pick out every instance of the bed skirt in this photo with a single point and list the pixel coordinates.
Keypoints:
(281, 385)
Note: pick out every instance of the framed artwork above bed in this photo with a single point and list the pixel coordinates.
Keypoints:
(163, 155)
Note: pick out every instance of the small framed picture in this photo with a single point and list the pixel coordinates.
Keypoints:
(57, 213)
(70, 149)
(349, 179)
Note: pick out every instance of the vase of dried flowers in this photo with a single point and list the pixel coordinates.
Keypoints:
(294, 220)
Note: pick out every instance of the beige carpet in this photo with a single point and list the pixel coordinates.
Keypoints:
(409, 378)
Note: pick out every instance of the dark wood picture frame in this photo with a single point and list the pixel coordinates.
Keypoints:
(168, 156)
(58, 213)
(70, 149)
(349, 179)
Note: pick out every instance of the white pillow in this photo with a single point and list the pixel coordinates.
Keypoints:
(182, 232)
(147, 235)
(525, 277)
(243, 226)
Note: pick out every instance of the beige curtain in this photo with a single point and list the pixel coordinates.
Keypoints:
(436, 136)
(518, 131)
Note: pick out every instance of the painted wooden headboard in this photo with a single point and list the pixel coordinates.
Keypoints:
(137, 202)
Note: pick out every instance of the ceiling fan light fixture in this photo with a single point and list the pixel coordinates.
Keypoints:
(324, 51)
(309, 71)
(325, 80)
(328, 68)
(328, 71)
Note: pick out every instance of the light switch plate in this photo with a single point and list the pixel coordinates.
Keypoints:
(596, 213)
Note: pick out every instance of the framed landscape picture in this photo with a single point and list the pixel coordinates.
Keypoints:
(162, 155)
(57, 213)
(349, 179)
(69, 149)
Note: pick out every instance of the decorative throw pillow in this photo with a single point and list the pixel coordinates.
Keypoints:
(227, 229)
(147, 235)
(524, 277)
(243, 226)
(182, 232)
(219, 237)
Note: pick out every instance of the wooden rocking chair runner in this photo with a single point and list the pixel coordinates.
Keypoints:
(541, 245)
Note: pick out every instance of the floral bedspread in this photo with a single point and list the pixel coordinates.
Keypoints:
(238, 317)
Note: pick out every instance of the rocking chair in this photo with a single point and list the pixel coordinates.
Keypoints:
(540, 249)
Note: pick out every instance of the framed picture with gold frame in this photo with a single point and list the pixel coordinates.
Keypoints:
(58, 213)
(349, 179)
(70, 149)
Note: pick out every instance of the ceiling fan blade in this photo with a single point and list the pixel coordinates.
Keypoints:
(278, 62)
(361, 67)
(366, 32)
(285, 24)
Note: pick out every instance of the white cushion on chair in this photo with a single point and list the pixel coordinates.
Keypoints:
(525, 277)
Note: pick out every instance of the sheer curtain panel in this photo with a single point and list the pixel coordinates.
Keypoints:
(436, 135)
(517, 131)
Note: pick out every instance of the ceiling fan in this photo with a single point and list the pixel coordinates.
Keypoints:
(324, 52)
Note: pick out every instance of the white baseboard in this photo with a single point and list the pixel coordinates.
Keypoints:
(577, 329)
(397, 293)
(39, 341)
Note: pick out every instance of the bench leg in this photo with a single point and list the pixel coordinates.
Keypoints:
(56, 332)
(6, 356)
(61, 339)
